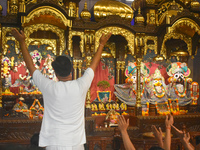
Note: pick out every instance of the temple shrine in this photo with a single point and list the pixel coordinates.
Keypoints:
(149, 67)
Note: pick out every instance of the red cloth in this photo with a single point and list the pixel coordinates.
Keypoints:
(99, 75)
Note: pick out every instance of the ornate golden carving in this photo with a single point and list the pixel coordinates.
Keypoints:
(152, 46)
(89, 40)
(77, 64)
(13, 6)
(72, 9)
(165, 10)
(120, 66)
(47, 10)
(46, 27)
(188, 22)
(168, 36)
(76, 33)
(5, 39)
(129, 36)
(22, 6)
(109, 7)
(85, 14)
(150, 1)
(50, 42)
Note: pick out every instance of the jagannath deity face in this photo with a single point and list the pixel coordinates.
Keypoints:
(179, 77)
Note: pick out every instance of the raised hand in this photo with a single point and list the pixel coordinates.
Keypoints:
(122, 124)
(19, 36)
(158, 135)
(169, 120)
(104, 38)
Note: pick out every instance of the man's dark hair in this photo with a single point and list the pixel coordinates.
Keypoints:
(156, 148)
(62, 66)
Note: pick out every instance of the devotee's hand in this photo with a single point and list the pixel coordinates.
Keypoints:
(169, 120)
(19, 36)
(158, 135)
(122, 124)
(104, 38)
(178, 132)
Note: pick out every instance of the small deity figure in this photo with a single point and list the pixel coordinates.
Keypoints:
(48, 70)
(20, 105)
(157, 88)
(179, 84)
(108, 106)
(5, 73)
(127, 92)
(123, 107)
(37, 57)
(116, 106)
(105, 99)
(112, 117)
(94, 107)
(101, 106)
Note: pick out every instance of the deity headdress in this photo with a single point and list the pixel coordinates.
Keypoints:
(36, 55)
(178, 67)
(6, 59)
(157, 75)
(132, 69)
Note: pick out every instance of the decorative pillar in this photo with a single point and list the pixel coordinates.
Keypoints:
(88, 111)
(75, 69)
(80, 62)
(138, 96)
(139, 52)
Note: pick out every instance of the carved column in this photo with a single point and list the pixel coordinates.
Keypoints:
(139, 51)
(75, 69)
(88, 97)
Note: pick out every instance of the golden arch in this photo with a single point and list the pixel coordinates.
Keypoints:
(76, 33)
(186, 21)
(186, 39)
(47, 10)
(129, 36)
(46, 27)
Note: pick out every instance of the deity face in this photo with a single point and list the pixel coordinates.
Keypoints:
(179, 77)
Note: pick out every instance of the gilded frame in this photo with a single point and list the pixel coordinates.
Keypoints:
(46, 27)
(129, 36)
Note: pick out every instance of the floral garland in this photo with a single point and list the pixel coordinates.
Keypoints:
(180, 94)
(162, 113)
(134, 91)
(146, 113)
(196, 96)
(176, 112)
(157, 94)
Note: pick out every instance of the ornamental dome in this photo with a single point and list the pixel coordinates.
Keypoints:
(105, 8)
(1, 8)
(85, 14)
(139, 19)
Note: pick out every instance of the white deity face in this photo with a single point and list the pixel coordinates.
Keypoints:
(133, 78)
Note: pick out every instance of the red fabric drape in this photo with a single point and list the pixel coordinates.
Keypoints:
(99, 75)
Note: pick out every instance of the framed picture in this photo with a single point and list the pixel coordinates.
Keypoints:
(174, 106)
(162, 108)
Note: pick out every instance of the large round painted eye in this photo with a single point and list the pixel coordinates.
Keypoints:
(134, 77)
(182, 76)
(176, 75)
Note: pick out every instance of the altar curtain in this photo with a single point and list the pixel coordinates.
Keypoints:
(99, 75)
